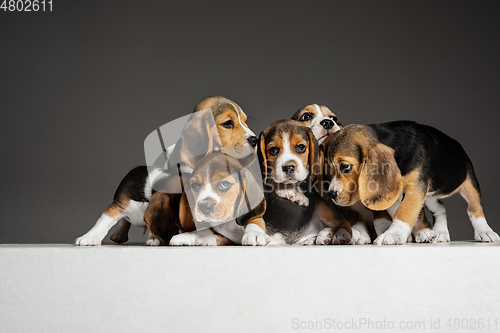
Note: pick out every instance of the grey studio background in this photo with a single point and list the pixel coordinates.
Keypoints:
(81, 87)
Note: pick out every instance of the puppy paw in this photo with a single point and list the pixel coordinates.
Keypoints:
(300, 199)
(195, 238)
(88, 240)
(360, 238)
(342, 237)
(324, 236)
(425, 236)
(254, 236)
(119, 238)
(153, 241)
(442, 236)
(397, 234)
(487, 236)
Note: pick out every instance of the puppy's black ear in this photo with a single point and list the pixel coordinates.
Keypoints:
(380, 181)
(314, 162)
(261, 152)
(250, 195)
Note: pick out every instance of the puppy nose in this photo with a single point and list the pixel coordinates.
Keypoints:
(333, 195)
(289, 169)
(327, 124)
(206, 207)
(253, 140)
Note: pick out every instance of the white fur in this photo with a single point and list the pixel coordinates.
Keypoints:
(342, 236)
(324, 236)
(317, 129)
(360, 234)
(134, 213)
(152, 240)
(425, 236)
(276, 239)
(231, 230)
(335, 186)
(397, 234)
(95, 235)
(254, 236)
(440, 227)
(203, 237)
(285, 156)
(293, 194)
(482, 231)
(206, 192)
(309, 234)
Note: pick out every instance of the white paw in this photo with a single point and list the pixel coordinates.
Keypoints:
(153, 241)
(425, 236)
(397, 234)
(324, 236)
(195, 238)
(88, 240)
(342, 237)
(360, 238)
(291, 194)
(442, 236)
(487, 236)
(254, 236)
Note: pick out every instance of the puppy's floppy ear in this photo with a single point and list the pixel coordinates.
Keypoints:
(314, 162)
(251, 194)
(380, 181)
(261, 151)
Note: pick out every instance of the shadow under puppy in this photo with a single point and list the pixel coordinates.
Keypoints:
(227, 204)
(400, 166)
(135, 192)
(295, 213)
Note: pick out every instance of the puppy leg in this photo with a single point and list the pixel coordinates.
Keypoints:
(440, 221)
(162, 216)
(205, 237)
(422, 231)
(121, 233)
(111, 216)
(332, 218)
(482, 231)
(360, 234)
(406, 215)
(255, 234)
(152, 240)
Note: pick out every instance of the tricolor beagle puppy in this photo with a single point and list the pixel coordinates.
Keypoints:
(221, 190)
(135, 191)
(400, 166)
(295, 214)
(320, 120)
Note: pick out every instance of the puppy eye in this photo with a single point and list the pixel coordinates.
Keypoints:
(305, 117)
(224, 186)
(333, 118)
(228, 124)
(345, 168)
(195, 186)
(274, 151)
(300, 148)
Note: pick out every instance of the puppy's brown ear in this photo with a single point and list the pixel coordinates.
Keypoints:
(251, 203)
(314, 162)
(261, 152)
(380, 182)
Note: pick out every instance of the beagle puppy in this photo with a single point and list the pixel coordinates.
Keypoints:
(400, 166)
(227, 202)
(320, 120)
(135, 191)
(295, 214)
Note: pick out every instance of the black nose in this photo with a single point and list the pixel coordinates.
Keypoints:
(253, 140)
(333, 195)
(327, 124)
(289, 169)
(206, 207)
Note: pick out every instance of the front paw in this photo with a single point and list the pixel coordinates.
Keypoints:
(397, 234)
(324, 236)
(300, 199)
(254, 236)
(425, 235)
(487, 236)
(88, 240)
(360, 238)
(193, 239)
(342, 237)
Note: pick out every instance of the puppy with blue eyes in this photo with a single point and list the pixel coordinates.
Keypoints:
(295, 213)
(228, 205)
(320, 120)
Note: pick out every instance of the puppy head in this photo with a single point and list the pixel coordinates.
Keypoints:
(218, 186)
(320, 119)
(230, 123)
(359, 167)
(289, 152)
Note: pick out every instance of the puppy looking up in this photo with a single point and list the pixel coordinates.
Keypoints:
(320, 120)
(133, 195)
(295, 214)
(378, 164)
